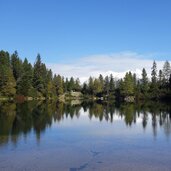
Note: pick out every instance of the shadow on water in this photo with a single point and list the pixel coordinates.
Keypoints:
(85, 165)
(20, 119)
(79, 168)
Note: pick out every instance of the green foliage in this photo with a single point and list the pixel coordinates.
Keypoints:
(112, 84)
(91, 86)
(154, 82)
(39, 76)
(85, 89)
(20, 78)
(166, 71)
(106, 85)
(154, 74)
(7, 81)
(66, 84)
(50, 88)
(24, 84)
(144, 82)
(71, 84)
(97, 88)
(160, 79)
(58, 85)
(128, 85)
(17, 65)
(77, 86)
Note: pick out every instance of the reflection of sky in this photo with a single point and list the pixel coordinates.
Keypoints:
(91, 144)
(84, 126)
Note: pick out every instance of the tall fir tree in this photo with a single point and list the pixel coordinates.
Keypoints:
(91, 85)
(97, 88)
(112, 84)
(144, 82)
(154, 74)
(25, 81)
(7, 80)
(58, 85)
(38, 80)
(166, 71)
(160, 79)
(17, 67)
(128, 89)
(154, 83)
(85, 88)
(77, 85)
(106, 85)
(66, 85)
(71, 85)
(50, 90)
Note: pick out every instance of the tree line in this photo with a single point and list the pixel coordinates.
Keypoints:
(21, 78)
(156, 87)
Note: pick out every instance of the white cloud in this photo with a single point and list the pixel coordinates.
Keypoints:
(117, 64)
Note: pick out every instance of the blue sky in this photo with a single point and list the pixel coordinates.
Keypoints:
(64, 31)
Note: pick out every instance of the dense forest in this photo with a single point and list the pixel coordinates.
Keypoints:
(21, 79)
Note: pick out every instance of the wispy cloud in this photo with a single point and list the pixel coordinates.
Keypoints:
(117, 64)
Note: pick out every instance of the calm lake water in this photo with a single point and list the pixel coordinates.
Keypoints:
(51, 136)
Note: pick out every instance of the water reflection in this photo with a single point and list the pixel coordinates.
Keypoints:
(21, 119)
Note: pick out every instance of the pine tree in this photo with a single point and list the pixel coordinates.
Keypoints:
(7, 80)
(71, 86)
(144, 82)
(90, 85)
(154, 85)
(101, 81)
(154, 74)
(97, 88)
(77, 85)
(38, 81)
(66, 85)
(160, 79)
(120, 88)
(128, 89)
(58, 84)
(135, 80)
(112, 84)
(166, 71)
(106, 86)
(170, 82)
(25, 81)
(50, 88)
(85, 89)
(16, 63)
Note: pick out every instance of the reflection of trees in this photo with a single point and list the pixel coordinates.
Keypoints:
(66, 110)
(96, 110)
(24, 117)
(144, 119)
(7, 117)
(20, 119)
(167, 125)
(166, 122)
(42, 118)
(129, 112)
(160, 114)
(72, 110)
(59, 113)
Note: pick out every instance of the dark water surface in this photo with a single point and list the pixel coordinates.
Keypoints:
(50, 136)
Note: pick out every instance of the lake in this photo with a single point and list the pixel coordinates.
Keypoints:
(86, 136)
